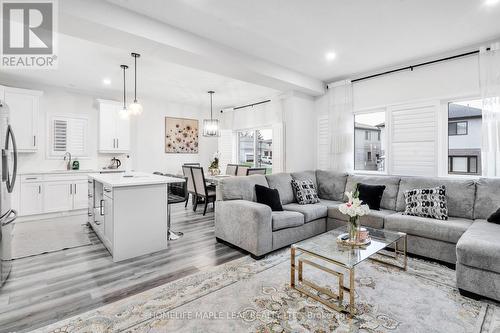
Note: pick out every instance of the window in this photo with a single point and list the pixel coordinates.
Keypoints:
(457, 128)
(68, 134)
(464, 137)
(462, 164)
(255, 148)
(369, 141)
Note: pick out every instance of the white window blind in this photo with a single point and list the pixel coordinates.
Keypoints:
(225, 147)
(68, 134)
(60, 135)
(278, 148)
(414, 140)
(322, 143)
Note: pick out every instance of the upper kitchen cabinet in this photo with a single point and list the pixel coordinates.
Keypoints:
(114, 130)
(23, 107)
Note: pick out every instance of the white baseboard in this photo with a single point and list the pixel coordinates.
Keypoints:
(38, 217)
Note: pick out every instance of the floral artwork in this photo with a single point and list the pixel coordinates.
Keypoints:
(181, 136)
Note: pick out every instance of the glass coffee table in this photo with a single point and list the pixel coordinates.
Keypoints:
(325, 253)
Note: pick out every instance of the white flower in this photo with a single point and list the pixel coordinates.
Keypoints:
(353, 207)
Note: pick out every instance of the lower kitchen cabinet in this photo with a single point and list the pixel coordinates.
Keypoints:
(31, 198)
(40, 194)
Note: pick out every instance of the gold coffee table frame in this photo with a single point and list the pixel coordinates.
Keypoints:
(339, 303)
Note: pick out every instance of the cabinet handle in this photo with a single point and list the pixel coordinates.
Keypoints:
(75, 188)
(39, 189)
(31, 178)
(101, 208)
(34, 140)
(117, 143)
(70, 188)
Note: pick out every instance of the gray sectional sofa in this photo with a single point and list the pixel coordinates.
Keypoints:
(465, 239)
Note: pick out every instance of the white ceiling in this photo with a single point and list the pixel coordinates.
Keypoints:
(365, 34)
(83, 65)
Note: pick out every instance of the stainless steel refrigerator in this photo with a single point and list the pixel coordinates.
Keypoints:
(8, 172)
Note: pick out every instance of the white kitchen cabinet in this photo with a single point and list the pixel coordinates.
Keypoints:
(114, 130)
(80, 194)
(31, 198)
(40, 194)
(108, 219)
(23, 107)
(57, 196)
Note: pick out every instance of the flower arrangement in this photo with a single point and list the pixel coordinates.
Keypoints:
(213, 168)
(354, 208)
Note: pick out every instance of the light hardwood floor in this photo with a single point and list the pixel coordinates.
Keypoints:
(49, 287)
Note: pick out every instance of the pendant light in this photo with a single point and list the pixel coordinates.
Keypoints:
(211, 126)
(135, 108)
(124, 111)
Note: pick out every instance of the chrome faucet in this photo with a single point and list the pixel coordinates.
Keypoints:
(68, 156)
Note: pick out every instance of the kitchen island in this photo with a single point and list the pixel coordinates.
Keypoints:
(128, 212)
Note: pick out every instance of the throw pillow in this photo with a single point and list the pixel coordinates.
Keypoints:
(371, 195)
(268, 196)
(304, 191)
(427, 202)
(495, 217)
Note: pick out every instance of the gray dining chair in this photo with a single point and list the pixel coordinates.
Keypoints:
(191, 164)
(202, 190)
(186, 170)
(231, 169)
(242, 170)
(256, 171)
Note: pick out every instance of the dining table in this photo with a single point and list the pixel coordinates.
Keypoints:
(214, 180)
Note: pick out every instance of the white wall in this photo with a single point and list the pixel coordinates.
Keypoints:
(149, 151)
(147, 132)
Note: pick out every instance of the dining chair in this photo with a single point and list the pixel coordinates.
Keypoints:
(242, 170)
(232, 169)
(202, 191)
(256, 171)
(186, 170)
(192, 164)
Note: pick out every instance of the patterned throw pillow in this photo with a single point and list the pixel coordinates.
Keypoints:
(427, 202)
(304, 191)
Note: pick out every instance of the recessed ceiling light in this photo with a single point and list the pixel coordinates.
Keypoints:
(106, 81)
(491, 2)
(330, 56)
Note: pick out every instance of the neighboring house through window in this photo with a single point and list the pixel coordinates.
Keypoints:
(464, 137)
(369, 131)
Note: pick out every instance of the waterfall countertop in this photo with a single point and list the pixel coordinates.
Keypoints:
(133, 179)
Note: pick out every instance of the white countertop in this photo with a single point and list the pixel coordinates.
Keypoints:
(70, 172)
(133, 179)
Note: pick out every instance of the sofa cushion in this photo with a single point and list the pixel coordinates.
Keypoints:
(459, 193)
(304, 175)
(495, 217)
(311, 212)
(283, 183)
(371, 195)
(268, 196)
(374, 219)
(304, 192)
(391, 188)
(427, 202)
(286, 219)
(487, 197)
(479, 246)
(331, 185)
(239, 188)
(447, 231)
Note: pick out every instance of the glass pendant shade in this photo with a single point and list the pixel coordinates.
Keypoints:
(124, 113)
(135, 108)
(211, 126)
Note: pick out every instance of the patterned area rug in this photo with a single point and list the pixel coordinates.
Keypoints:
(254, 296)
